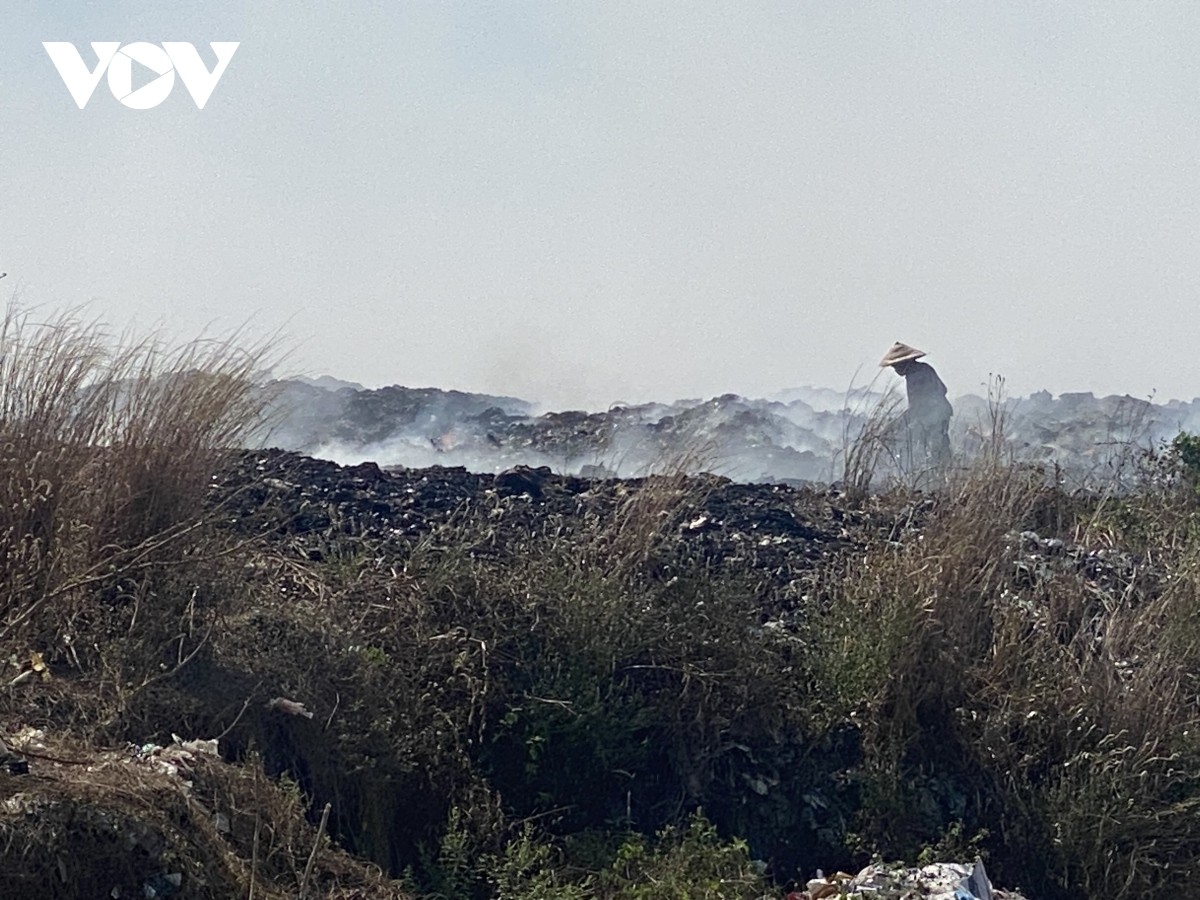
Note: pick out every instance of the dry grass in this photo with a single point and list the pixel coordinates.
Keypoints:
(869, 454)
(113, 820)
(1057, 704)
(653, 508)
(106, 451)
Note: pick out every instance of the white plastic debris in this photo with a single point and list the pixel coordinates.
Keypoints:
(28, 738)
(197, 746)
(291, 707)
(939, 881)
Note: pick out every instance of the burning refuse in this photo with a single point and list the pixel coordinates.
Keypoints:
(800, 437)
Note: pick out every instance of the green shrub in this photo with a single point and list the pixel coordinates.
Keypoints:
(691, 863)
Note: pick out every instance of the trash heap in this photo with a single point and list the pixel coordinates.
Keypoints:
(159, 821)
(800, 437)
(938, 881)
(774, 530)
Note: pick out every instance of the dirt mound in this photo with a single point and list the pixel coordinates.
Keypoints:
(152, 821)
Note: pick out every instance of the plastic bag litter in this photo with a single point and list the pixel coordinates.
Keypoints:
(940, 881)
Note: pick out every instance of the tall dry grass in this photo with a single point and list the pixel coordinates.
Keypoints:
(107, 447)
(652, 509)
(1047, 698)
(869, 454)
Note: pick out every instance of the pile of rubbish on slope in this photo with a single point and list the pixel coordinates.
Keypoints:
(310, 505)
(156, 821)
(938, 881)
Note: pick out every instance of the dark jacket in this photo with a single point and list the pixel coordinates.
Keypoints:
(927, 403)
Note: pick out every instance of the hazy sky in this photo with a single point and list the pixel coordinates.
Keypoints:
(585, 202)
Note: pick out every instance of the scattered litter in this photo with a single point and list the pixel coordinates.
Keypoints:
(291, 707)
(28, 739)
(21, 804)
(940, 881)
(197, 746)
(175, 759)
(821, 887)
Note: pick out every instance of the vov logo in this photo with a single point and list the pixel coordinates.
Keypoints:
(165, 61)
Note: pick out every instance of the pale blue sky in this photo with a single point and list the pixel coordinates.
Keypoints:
(581, 203)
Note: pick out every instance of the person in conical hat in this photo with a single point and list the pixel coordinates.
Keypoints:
(900, 353)
(927, 420)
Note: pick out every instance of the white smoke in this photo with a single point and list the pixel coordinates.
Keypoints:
(800, 435)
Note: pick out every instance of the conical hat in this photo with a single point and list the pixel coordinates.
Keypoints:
(900, 353)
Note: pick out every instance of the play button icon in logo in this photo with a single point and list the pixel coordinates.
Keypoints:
(120, 75)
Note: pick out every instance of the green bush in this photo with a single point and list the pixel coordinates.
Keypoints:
(688, 863)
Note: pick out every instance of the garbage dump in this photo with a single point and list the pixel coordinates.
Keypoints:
(938, 881)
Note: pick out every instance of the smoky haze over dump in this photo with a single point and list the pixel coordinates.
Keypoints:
(801, 436)
(624, 202)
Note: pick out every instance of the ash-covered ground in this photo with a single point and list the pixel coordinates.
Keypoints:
(801, 436)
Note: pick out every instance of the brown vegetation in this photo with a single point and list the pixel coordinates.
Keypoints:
(527, 696)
